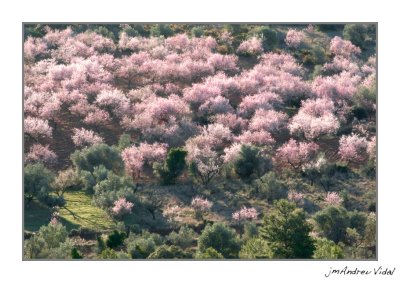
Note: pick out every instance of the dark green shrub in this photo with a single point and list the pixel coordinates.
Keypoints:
(360, 112)
(50, 242)
(142, 245)
(333, 221)
(251, 161)
(115, 240)
(209, 253)
(270, 187)
(130, 31)
(172, 167)
(108, 254)
(287, 231)
(124, 141)
(269, 37)
(161, 30)
(356, 33)
(75, 254)
(256, 248)
(107, 191)
(37, 182)
(326, 249)
(329, 27)
(358, 219)
(99, 154)
(184, 238)
(197, 32)
(169, 252)
(221, 238)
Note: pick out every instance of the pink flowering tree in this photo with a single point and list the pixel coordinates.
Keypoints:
(333, 198)
(40, 153)
(343, 47)
(315, 119)
(243, 215)
(353, 148)
(252, 46)
(201, 206)
(122, 207)
(37, 128)
(294, 38)
(295, 154)
(271, 121)
(142, 157)
(82, 137)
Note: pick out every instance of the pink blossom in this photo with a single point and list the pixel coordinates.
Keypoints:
(270, 121)
(353, 148)
(258, 138)
(40, 153)
(295, 154)
(83, 137)
(315, 118)
(215, 105)
(371, 149)
(121, 207)
(37, 127)
(201, 204)
(332, 198)
(136, 157)
(295, 196)
(245, 214)
(343, 47)
(223, 62)
(97, 117)
(34, 47)
(251, 103)
(232, 121)
(336, 87)
(114, 100)
(294, 38)
(252, 46)
(232, 152)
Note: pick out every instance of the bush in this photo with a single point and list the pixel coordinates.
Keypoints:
(255, 248)
(356, 33)
(115, 240)
(287, 231)
(184, 238)
(124, 141)
(37, 182)
(197, 32)
(108, 254)
(269, 37)
(161, 29)
(326, 249)
(130, 31)
(172, 167)
(50, 241)
(108, 191)
(250, 231)
(209, 253)
(270, 187)
(358, 220)
(329, 27)
(99, 154)
(141, 246)
(75, 254)
(169, 252)
(250, 161)
(333, 221)
(221, 238)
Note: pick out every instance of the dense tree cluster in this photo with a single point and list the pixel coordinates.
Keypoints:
(246, 141)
